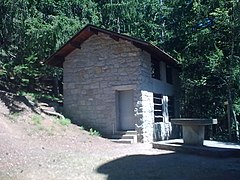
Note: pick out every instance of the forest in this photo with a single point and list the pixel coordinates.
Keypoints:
(204, 36)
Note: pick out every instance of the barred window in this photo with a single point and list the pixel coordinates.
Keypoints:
(158, 110)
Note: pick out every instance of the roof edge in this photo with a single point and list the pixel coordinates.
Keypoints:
(54, 59)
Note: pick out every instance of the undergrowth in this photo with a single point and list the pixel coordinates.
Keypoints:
(37, 96)
(64, 121)
(14, 116)
(37, 119)
(94, 132)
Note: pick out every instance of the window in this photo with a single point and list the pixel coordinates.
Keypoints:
(155, 69)
(169, 75)
(158, 113)
(171, 106)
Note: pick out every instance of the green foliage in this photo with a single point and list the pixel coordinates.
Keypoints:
(236, 106)
(37, 119)
(94, 132)
(64, 121)
(141, 19)
(81, 128)
(38, 96)
(203, 35)
(31, 30)
(14, 116)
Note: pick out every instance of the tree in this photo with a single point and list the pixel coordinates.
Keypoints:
(205, 35)
(138, 18)
(31, 30)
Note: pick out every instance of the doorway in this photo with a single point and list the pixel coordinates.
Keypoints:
(125, 110)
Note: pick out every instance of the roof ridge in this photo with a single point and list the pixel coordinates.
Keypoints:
(57, 58)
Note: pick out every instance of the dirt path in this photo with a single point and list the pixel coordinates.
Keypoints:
(80, 156)
(72, 155)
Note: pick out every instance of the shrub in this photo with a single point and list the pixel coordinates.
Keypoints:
(64, 121)
(93, 132)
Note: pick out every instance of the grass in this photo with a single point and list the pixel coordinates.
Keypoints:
(64, 121)
(37, 119)
(14, 116)
(81, 128)
(50, 131)
(94, 132)
(91, 131)
(41, 128)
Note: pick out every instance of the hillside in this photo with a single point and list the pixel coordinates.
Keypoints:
(34, 145)
(32, 141)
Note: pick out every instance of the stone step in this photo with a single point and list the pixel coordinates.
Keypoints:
(124, 141)
(122, 136)
(126, 132)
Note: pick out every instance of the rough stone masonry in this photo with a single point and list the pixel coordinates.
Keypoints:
(93, 75)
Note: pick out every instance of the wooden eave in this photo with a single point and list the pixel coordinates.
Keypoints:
(57, 58)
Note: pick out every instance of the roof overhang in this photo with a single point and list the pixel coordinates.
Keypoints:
(58, 57)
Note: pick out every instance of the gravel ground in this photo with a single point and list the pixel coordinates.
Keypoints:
(48, 150)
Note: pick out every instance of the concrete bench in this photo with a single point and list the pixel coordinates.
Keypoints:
(193, 129)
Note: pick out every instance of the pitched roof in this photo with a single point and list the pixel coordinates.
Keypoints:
(58, 57)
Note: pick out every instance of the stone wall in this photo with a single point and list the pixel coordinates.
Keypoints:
(93, 74)
(148, 116)
(148, 85)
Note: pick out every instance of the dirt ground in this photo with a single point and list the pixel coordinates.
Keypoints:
(30, 149)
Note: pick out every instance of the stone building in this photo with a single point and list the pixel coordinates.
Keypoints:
(113, 82)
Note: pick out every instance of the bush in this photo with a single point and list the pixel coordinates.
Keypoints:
(64, 121)
(93, 132)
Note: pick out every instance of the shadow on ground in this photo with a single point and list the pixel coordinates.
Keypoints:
(12, 101)
(175, 166)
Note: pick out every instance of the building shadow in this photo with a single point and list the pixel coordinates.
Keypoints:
(175, 166)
